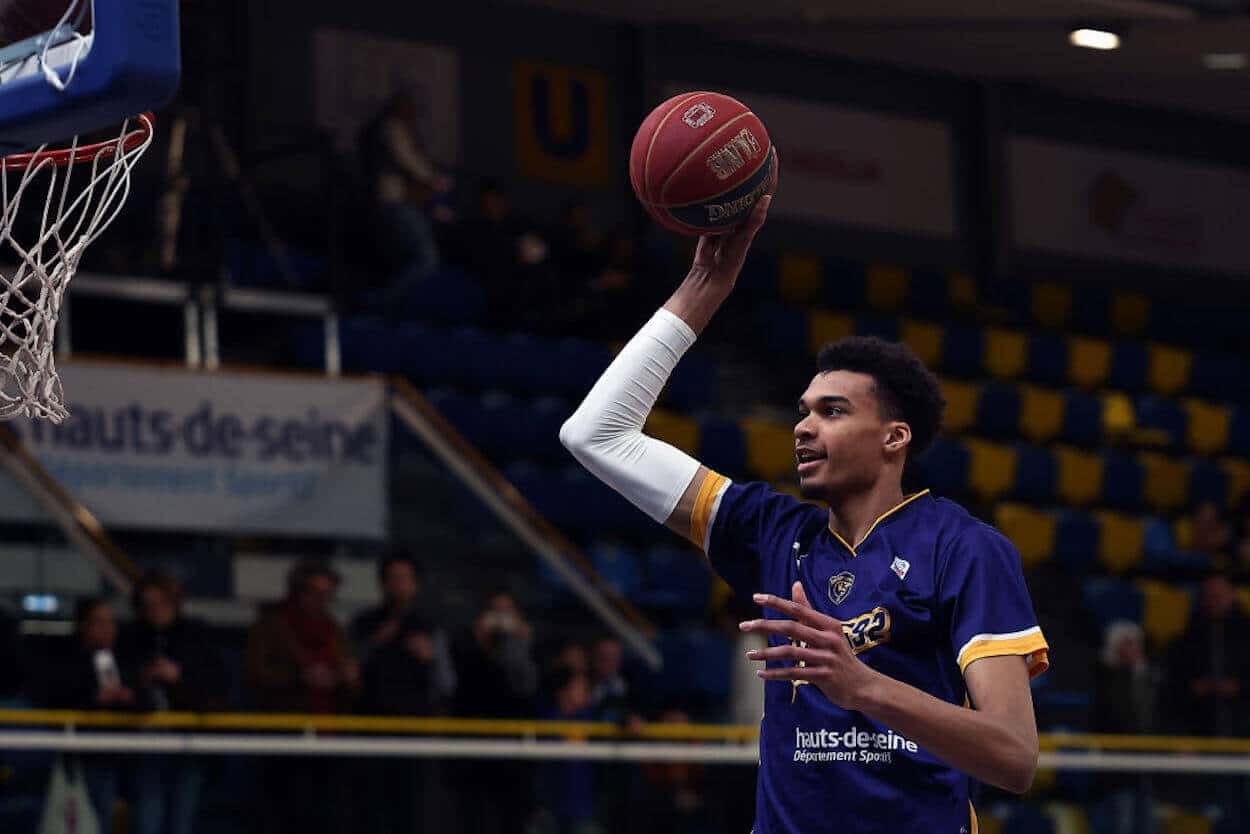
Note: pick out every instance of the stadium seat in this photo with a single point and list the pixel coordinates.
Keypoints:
(1182, 821)
(1119, 417)
(1168, 369)
(944, 468)
(1239, 432)
(1237, 473)
(876, 324)
(722, 447)
(367, 344)
(1130, 313)
(674, 429)
(886, 287)
(619, 566)
(1036, 474)
(1122, 480)
(1082, 418)
(1121, 541)
(675, 578)
(1108, 599)
(1031, 530)
(449, 296)
(576, 365)
(1165, 612)
(1050, 304)
(824, 327)
(1164, 419)
(961, 405)
(1076, 541)
(1207, 482)
(844, 283)
(1028, 819)
(1128, 367)
(1208, 426)
(924, 338)
(1091, 313)
(1166, 483)
(1041, 413)
(928, 295)
(1218, 376)
(785, 330)
(1048, 358)
(991, 469)
(760, 276)
(1089, 362)
(998, 409)
(802, 278)
(770, 448)
(961, 291)
(1080, 477)
(694, 383)
(962, 351)
(1006, 353)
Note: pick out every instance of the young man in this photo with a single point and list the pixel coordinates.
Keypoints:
(887, 615)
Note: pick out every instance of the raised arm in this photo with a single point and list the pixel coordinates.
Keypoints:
(605, 433)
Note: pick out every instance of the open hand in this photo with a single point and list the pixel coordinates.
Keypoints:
(819, 650)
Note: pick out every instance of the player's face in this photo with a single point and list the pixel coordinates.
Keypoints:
(840, 439)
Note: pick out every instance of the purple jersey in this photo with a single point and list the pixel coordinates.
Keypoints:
(927, 591)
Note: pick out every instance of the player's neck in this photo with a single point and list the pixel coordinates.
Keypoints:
(852, 515)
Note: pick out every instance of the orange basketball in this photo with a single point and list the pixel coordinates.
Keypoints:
(700, 161)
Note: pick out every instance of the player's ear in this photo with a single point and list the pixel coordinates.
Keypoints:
(897, 436)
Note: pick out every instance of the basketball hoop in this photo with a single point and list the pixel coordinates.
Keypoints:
(76, 210)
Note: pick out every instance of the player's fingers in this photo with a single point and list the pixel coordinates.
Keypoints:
(737, 242)
(790, 673)
(804, 614)
(789, 628)
(797, 654)
(705, 251)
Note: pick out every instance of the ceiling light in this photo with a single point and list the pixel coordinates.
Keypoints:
(1094, 39)
(1225, 60)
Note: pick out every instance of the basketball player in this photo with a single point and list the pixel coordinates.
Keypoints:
(887, 615)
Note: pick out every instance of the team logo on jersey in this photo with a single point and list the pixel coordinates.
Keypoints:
(900, 566)
(699, 115)
(840, 586)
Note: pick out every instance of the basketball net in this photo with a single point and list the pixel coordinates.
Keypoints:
(82, 189)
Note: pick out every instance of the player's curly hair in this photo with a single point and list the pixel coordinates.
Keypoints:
(905, 388)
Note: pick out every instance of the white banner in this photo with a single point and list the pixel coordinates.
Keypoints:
(355, 73)
(855, 167)
(1110, 204)
(170, 449)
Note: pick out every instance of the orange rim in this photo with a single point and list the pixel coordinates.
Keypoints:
(84, 153)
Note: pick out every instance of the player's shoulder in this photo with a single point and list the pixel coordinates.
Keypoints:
(959, 531)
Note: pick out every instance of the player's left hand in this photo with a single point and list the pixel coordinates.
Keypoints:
(817, 642)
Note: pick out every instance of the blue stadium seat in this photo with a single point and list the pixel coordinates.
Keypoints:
(1213, 373)
(711, 659)
(1076, 541)
(1035, 474)
(1092, 312)
(874, 324)
(760, 276)
(1207, 482)
(449, 295)
(998, 409)
(675, 579)
(722, 446)
(783, 329)
(620, 566)
(1122, 480)
(844, 283)
(961, 350)
(1082, 418)
(1048, 358)
(1164, 415)
(928, 293)
(694, 383)
(544, 418)
(1129, 363)
(944, 468)
(576, 366)
(1108, 600)
(1239, 432)
(1028, 819)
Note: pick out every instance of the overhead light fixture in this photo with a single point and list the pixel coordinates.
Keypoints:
(1094, 39)
(1225, 60)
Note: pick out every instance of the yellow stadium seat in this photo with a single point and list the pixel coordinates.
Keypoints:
(1041, 413)
(1166, 481)
(770, 448)
(1080, 476)
(1052, 303)
(1031, 530)
(961, 404)
(1119, 417)
(1183, 533)
(823, 327)
(987, 823)
(992, 468)
(1187, 822)
(674, 429)
(1168, 368)
(1166, 612)
(1130, 313)
(1209, 425)
(886, 287)
(1068, 818)
(802, 278)
(1121, 541)
(1006, 352)
(1089, 361)
(925, 338)
(1238, 473)
(1243, 599)
(962, 291)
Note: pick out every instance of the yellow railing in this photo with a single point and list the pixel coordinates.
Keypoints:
(289, 722)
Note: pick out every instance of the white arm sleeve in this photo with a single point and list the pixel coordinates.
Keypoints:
(605, 433)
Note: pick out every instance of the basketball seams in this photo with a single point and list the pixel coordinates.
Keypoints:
(766, 160)
(686, 160)
(646, 160)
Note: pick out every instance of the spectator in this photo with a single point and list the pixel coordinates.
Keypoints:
(1210, 532)
(89, 676)
(404, 181)
(1125, 701)
(407, 670)
(577, 244)
(572, 655)
(298, 659)
(566, 789)
(175, 667)
(609, 693)
(1209, 669)
(673, 794)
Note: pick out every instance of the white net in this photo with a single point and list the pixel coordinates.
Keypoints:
(71, 197)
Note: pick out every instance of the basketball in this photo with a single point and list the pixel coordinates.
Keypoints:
(700, 161)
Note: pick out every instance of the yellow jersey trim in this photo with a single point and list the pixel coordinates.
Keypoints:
(705, 503)
(973, 812)
(880, 519)
(1031, 645)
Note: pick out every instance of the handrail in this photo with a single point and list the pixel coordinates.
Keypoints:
(520, 516)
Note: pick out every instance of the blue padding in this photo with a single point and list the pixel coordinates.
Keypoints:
(1082, 418)
(998, 409)
(1036, 474)
(1048, 358)
(1128, 366)
(962, 349)
(1122, 479)
(1076, 541)
(944, 468)
(722, 446)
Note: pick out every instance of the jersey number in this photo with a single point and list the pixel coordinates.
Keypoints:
(867, 630)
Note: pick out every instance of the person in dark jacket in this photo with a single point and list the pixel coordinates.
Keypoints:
(1126, 699)
(174, 666)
